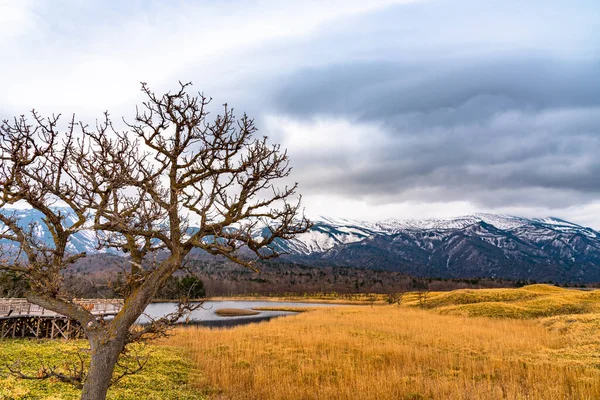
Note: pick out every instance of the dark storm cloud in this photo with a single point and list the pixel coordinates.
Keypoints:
(495, 103)
(509, 83)
(469, 161)
(385, 91)
(492, 103)
(504, 125)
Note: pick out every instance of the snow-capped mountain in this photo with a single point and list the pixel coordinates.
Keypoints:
(81, 241)
(480, 245)
(329, 232)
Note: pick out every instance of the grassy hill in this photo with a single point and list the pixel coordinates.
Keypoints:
(533, 301)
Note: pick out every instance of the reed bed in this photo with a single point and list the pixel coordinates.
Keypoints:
(391, 352)
(235, 312)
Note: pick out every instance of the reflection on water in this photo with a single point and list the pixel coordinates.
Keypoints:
(206, 315)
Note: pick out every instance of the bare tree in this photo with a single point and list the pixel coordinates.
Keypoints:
(171, 183)
(395, 298)
(372, 298)
(422, 298)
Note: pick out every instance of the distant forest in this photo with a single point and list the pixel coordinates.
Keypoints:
(99, 276)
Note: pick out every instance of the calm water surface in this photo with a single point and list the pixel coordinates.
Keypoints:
(206, 315)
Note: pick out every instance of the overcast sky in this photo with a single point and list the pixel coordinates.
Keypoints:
(404, 109)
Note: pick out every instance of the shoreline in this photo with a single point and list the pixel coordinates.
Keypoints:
(275, 300)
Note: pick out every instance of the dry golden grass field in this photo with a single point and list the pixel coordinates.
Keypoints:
(537, 342)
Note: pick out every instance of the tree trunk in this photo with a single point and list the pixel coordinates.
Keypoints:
(102, 364)
(107, 342)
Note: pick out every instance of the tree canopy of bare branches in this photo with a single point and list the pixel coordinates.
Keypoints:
(172, 181)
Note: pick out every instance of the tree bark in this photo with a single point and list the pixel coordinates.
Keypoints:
(104, 357)
(107, 342)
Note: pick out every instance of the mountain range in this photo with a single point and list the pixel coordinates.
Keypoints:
(480, 245)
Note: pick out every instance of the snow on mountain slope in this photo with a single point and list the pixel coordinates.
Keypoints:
(330, 232)
(81, 241)
(433, 224)
(487, 245)
(327, 233)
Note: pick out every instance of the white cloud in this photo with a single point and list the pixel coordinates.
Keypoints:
(15, 19)
(70, 56)
(360, 209)
(325, 137)
(78, 56)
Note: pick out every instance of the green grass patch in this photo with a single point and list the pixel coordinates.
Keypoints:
(166, 375)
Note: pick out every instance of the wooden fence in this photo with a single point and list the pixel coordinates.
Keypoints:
(21, 307)
(20, 318)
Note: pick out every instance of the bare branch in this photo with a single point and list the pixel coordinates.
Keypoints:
(175, 180)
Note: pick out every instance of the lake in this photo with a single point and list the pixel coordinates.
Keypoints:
(205, 316)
